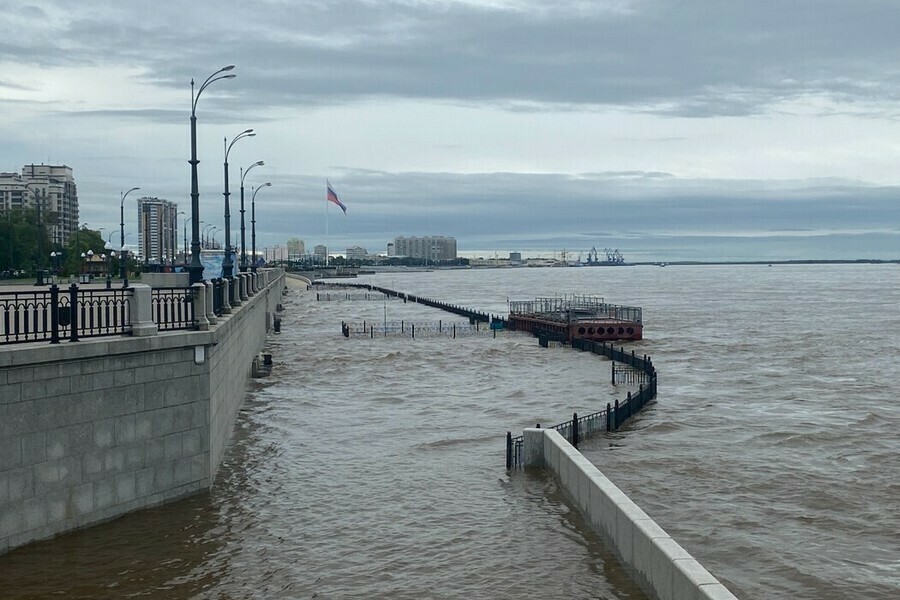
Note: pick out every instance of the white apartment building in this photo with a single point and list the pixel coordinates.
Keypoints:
(296, 249)
(157, 229)
(357, 253)
(433, 248)
(50, 188)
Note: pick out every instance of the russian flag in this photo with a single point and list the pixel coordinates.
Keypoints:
(332, 196)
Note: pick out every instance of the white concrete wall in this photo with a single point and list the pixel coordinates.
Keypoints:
(659, 565)
(94, 429)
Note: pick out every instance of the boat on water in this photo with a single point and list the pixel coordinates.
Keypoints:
(582, 316)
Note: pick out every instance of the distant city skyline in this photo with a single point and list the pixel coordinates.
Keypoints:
(649, 125)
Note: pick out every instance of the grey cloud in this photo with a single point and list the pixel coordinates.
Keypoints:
(686, 59)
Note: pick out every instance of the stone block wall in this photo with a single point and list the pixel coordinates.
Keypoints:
(97, 428)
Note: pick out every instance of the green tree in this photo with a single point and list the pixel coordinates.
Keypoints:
(24, 241)
(79, 243)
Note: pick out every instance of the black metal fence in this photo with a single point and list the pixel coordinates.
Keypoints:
(218, 297)
(609, 418)
(57, 314)
(54, 314)
(173, 308)
(412, 329)
(344, 296)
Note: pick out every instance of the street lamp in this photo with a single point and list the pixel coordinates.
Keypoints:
(175, 236)
(243, 239)
(253, 221)
(39, 201)
(123, 267)
(54, 260)
(196, 267)
(185, 247)
(86, 257)
(228, 263)
(204, 239)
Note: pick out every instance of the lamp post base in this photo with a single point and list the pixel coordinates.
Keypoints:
(195, 273)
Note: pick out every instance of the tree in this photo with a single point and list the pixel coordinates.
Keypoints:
(83, 240)
(22, 238)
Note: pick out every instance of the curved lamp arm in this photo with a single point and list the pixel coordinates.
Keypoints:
(211, 79)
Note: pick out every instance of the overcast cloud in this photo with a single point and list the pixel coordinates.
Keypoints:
(506, 123)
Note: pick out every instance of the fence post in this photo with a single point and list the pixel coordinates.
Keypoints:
(613, 373)
(200, 320)
(616, 417)
(508, 450)
(413, 329)
(575, 430)
(54, 314)
(608, 417)
(142, 311)
(73, 311)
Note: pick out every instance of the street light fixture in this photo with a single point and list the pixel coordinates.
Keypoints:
(204, 239)
(55, 257)
(196, 267)
(123, 267)
(228, 263)
(253, 221)
(243, 239)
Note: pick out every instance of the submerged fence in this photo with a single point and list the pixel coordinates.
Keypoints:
(55, 314)
(344, 296)
(627, 368)
(413, 329)
(609, 418)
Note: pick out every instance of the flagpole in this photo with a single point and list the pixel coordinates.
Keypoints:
(326, 222)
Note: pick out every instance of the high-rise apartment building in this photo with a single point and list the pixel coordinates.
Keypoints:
(157, 230)
(296, 249)
(51, 189)
(433, 248)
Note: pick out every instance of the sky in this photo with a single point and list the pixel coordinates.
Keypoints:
(764, 129)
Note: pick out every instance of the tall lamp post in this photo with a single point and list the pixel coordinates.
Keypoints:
(228, 263)
(196, 267)
(204, 238)
(174, 236)
(243, 239)
(253, 221)
(123, 264)
(38, 270)
(185, 247)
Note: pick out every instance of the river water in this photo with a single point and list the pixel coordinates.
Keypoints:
(374, 468)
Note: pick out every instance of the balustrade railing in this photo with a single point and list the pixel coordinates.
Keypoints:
(58, 314)
(173, 308)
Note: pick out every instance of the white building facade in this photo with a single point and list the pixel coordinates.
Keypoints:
(157, 230)
(51, 189)
(433, 248)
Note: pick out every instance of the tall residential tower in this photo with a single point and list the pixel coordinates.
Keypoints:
(51, 188)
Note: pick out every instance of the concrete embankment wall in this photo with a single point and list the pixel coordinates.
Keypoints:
(94, 429)
(658, 563)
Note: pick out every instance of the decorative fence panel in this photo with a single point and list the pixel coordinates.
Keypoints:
(173, 308)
